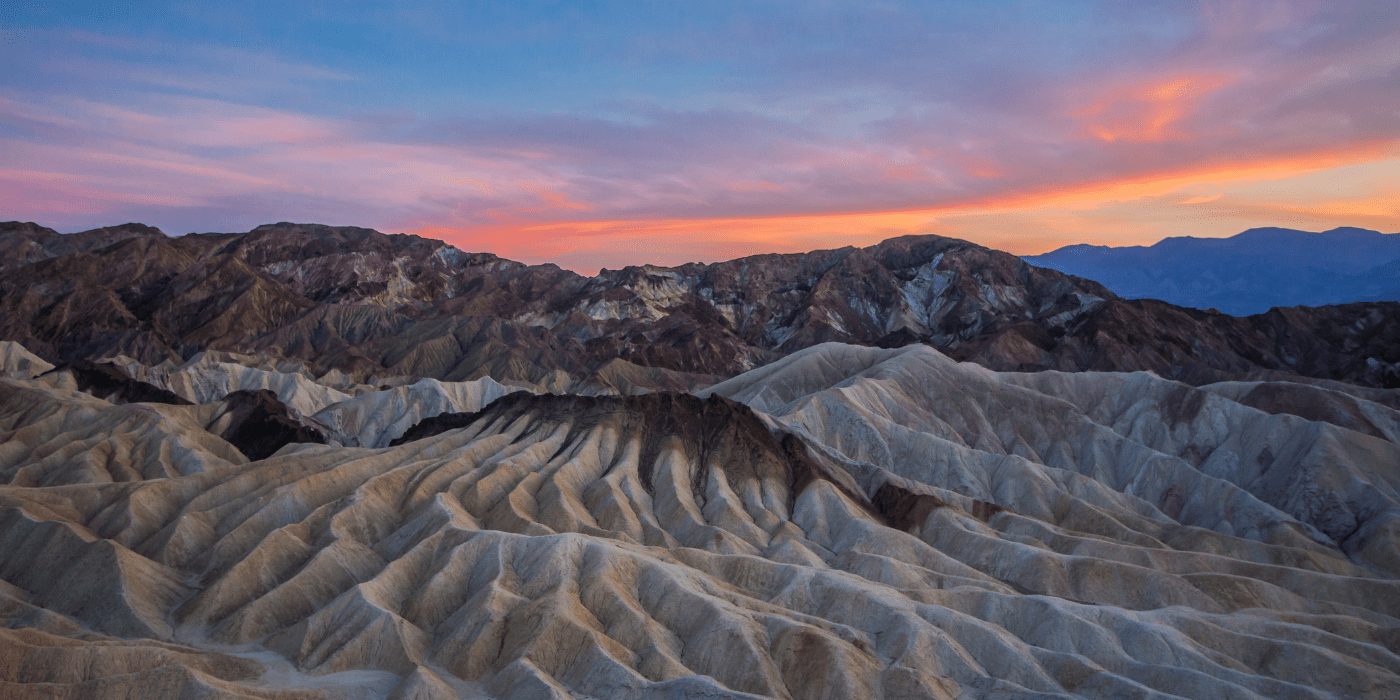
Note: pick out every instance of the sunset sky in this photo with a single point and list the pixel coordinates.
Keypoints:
(600, 134)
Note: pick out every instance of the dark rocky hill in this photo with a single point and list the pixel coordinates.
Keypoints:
(26, 242)
(375, 305)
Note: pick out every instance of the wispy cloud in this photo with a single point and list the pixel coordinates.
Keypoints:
(1053, 123)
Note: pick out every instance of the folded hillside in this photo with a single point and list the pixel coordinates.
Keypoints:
(847, 522)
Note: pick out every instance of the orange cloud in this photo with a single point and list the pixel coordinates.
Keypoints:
(1161, 182)
(988, 170)
(1147, 112)
(1201, 199)
(1129, 211)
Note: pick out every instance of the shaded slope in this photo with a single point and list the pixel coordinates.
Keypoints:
(259, 425)
(1353, 343)
(106, 381)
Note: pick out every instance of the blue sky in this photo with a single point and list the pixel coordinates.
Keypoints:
(600, 134)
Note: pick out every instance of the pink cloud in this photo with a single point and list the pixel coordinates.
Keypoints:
(1150, 111)
(1228, 103)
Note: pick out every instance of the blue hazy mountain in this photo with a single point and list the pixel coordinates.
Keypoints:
(1248, 273)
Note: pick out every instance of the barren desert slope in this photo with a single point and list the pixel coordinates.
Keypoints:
(845, 522)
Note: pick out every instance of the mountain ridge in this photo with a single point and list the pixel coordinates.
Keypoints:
(1248, 273)
(368, 304)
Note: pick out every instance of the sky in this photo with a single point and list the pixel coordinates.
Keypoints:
(603, 134)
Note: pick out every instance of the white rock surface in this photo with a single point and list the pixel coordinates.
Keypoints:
(50, 437)
(1192, 455)
(915, 528)
(205, 382)
(376, 418)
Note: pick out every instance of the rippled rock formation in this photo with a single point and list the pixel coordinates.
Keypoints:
(848, 522)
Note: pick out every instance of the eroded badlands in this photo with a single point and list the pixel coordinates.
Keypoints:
(847, 522)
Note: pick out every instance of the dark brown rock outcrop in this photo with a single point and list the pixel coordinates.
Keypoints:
(24, 242)
(370, 304)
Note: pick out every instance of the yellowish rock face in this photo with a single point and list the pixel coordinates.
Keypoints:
(847, 522)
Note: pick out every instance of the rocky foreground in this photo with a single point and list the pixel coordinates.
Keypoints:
(845, 522)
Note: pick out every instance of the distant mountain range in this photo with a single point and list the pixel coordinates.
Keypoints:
(1249, 273)
(372, 307)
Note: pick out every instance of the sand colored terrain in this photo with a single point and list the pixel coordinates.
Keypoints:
(847, 522)
(206, 379)
(374, 419)
(18, 363)
(349, 414)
